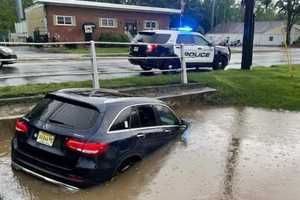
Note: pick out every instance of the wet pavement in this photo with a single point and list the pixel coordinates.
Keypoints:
(71, 63)
(232, 153)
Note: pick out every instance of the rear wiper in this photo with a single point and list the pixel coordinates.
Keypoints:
(56, 122)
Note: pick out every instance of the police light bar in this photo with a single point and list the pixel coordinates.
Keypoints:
(186, 28)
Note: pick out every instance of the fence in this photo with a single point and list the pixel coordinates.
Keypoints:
(94, 72)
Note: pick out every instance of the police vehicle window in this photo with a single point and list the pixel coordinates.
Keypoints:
(166, 117)
(147, 116)
(198, 40)
(127, 119)
(74, 116)
(152, 38)
(185, 39)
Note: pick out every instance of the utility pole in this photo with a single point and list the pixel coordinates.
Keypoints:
(249, 23)
(212, 22)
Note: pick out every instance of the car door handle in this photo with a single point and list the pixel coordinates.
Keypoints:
(167, 131)
(200, 48)
(141, 135)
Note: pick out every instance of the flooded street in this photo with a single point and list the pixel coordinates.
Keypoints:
(232, 153)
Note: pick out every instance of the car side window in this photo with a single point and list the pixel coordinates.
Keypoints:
(126, 120)
(198, 40)
(147, 116)
(185, 39)
(166, 116)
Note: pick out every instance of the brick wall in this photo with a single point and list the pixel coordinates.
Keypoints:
(89, 15)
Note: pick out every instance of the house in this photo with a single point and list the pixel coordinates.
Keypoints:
(266, 33)
(74, 20)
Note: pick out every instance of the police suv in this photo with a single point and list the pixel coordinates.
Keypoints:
(197, 50)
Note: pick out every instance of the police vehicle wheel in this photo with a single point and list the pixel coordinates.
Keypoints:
(145, 68)
(220, 63)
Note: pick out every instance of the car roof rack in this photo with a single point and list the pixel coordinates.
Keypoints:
(96, 93)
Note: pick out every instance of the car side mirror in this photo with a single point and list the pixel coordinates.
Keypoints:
(184, 124)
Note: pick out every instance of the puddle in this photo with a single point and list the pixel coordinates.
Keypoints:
(231, 153)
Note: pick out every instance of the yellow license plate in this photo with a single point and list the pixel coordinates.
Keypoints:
(45, 138)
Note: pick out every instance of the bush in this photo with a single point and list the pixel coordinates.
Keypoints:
(113, 37)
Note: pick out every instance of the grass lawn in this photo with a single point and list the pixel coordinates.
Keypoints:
(261, 87)
(82, 50)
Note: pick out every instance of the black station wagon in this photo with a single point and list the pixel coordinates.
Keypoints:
(81, 137)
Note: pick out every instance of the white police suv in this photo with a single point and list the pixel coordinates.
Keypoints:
(197, 50)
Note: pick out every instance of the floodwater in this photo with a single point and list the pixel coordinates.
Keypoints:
(232, 153)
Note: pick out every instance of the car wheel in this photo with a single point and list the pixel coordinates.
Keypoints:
(145, 68)
(220, 63)
(127, 164)
(169, 65)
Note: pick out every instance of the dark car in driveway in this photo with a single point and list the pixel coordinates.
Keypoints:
(82, 137)
(7, 56)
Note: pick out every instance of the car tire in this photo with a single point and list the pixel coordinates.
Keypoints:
(220, 63)
(170, 64)
(145, 68)
(127, 164)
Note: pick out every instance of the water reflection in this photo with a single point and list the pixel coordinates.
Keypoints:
(232, 153)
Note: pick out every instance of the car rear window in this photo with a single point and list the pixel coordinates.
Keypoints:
(152, 38)
(67, 114)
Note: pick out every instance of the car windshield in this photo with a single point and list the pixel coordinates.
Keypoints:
(67, 114)
(151, 37)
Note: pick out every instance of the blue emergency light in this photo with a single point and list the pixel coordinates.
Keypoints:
(185, 28)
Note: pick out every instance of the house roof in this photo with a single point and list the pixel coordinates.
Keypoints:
(237, 27)
(108, 6)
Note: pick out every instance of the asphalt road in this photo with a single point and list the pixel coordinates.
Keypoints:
(35, 61)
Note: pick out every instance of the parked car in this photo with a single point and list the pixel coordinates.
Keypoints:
(79, 137)
(8, 55)
(198, 51)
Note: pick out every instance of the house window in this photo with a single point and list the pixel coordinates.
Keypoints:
(151, 25)
(108, 22)
(271, 38)
(64, 20)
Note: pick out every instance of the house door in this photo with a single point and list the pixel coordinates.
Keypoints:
(130, 29)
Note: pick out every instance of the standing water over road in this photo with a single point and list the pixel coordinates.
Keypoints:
(233, 153)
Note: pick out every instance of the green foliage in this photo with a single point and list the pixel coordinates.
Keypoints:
(8, 14)
(290, 9)
(113, 37)
(265, 11)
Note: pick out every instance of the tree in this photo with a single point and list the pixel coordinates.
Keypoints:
(266, 3)
(8, 14)
(290, 9)
(265, 13)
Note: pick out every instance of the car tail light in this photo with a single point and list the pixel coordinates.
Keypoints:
(151, 48)
(91, 149)
(22, 126)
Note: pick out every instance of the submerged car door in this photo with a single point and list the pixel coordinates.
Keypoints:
(168, 121)
(150, 128)
(126, 130)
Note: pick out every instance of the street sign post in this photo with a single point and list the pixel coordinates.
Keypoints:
(249, 22)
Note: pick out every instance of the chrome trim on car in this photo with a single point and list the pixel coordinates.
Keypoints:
(19, 167)
(143, 128)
